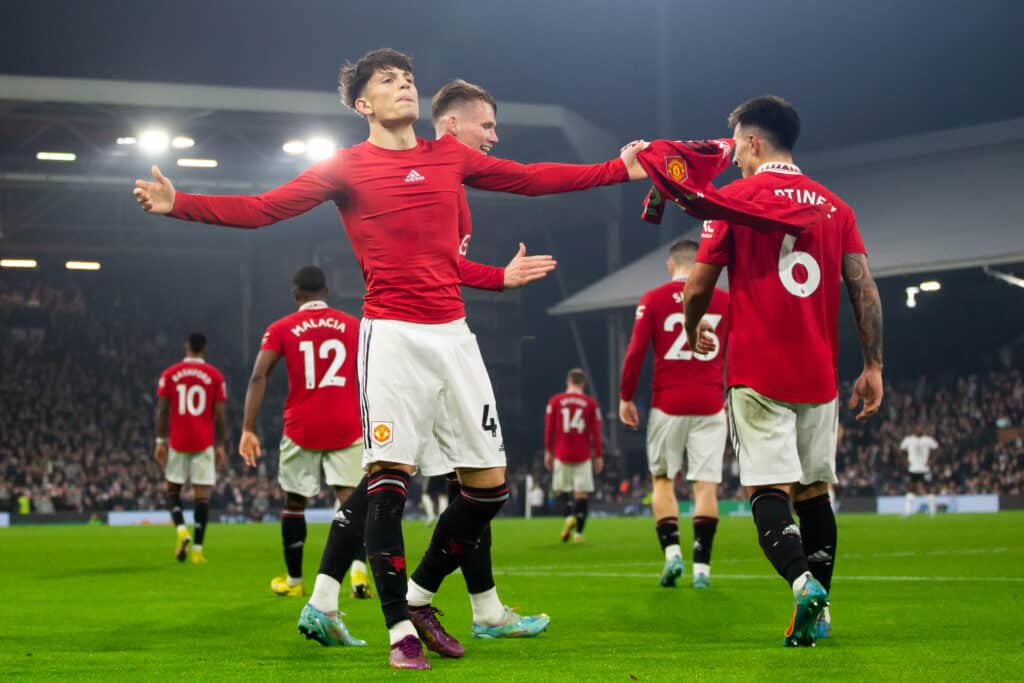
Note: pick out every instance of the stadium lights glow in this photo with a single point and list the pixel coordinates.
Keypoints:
(319, 148)
(18, 263)
(154, 140)
(198, 163)
(82, 265)
(931, 286)
(912, 296)
(182, 142)
(127, 140)
(294, 147)
(56, 156)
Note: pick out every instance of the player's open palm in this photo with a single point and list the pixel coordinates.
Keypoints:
(523, 269)
(867, 389)
(156, 196)
(249, 448)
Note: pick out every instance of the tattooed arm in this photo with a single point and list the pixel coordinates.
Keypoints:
(867, 311)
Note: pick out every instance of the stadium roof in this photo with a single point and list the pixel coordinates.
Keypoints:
(937, 201)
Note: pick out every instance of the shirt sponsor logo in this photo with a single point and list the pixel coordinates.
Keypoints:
(676, 168)
(382, 433)
(414, 177)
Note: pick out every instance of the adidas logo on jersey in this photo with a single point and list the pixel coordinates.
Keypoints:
(414, 177)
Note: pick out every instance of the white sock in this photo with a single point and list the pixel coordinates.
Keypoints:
(908, 504)
(418, 596)
(487, 607)
(442, 502)
(182, 527)
(325, 593)
(197, 548)
(294, 580)
(357, 566)
(401, 630)
(828, 616)
(798, 584)
(931, 504)
(699, 568)
(428, 506)
(673, 551)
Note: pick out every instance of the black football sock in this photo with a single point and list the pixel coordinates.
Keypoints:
(177, 516)
(566, 500)
(386, 491)
(818, 530)
(202, 516)
(778, 534)
(293, 538)
(457, 533)
(582, 507)
(476, 565)
(668, 531)
(345, 539)
(703, 536)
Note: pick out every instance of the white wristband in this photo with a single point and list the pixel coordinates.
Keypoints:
(160, 440)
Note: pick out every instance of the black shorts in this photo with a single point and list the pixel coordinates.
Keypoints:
(920, 478)
(437, 486)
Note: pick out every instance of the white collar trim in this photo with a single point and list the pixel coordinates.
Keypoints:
(186, 359)
(779, 167)
(312, 305)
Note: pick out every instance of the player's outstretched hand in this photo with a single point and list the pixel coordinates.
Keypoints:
(249, 447)
(523, 269)
(628, 155)
(867, 388)
(628, 414)
(157, 196)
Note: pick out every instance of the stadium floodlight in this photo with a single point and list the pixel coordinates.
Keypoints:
(931, 286)
(127, 140)
(182, 142)
(198, 163)
(294, 147)
(18, 263)
(56, 156)
(154, 140)
(912, 296)
(82, 265)
(319, 148)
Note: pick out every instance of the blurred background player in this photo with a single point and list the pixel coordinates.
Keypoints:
(783, 352)
(190, 405)
(468, 113)
(572, 422)
(434, 497)
(322, 426)
(687, 414)
(919, 447)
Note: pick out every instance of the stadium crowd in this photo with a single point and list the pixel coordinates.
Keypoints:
(77, 402)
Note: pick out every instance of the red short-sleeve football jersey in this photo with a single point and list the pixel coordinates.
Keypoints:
(192, 387)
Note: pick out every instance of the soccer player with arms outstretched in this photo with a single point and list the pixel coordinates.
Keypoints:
(782, 356)
(190, 406)
(420, 372)
(687, 415)
(322, 428)
(572, 423)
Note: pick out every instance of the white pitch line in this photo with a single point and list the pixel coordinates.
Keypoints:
(763, 577)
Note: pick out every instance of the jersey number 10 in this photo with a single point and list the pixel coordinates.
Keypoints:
(332, 348)
(191, 400)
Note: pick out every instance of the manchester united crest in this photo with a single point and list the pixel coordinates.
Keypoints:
(382, 433)
(676, 168)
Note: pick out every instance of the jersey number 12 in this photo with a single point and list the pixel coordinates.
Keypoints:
(332, 348)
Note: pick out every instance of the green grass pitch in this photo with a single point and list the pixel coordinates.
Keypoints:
(913, 599)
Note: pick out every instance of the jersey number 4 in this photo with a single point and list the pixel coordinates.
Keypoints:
(332, 348)
(680, 348)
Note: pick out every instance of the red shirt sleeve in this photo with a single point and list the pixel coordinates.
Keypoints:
(643, 331)
(549, 427)
(272, 341)
(595, 428)
(715, 243)
(314, 186)
(501, 175)
(163, 385)
(481, 276)
(853, 243)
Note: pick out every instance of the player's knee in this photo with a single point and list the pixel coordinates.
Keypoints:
(342, 493)
(484, 502)
(293, 501)
(806, 491)
(482, 478)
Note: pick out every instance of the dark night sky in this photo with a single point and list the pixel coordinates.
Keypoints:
(858, 71)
